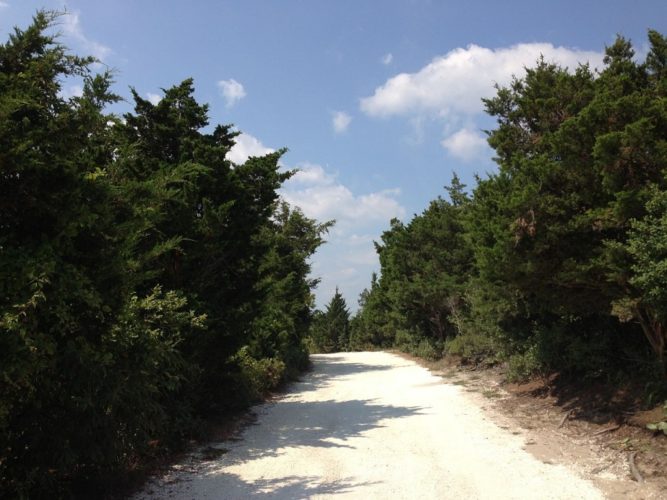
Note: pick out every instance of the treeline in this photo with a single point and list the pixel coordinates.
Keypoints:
(146, 282)
(558, 261)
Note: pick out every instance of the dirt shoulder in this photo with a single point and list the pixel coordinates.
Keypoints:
(595, 428)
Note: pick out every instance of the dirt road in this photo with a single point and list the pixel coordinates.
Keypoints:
(372, 425)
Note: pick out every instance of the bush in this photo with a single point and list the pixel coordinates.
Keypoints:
(260, 375)
(524, 365)
(425, 349)
(474, 348)
(405, 341)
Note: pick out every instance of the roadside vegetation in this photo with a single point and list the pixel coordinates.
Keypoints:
(557, 262)
(147, 283)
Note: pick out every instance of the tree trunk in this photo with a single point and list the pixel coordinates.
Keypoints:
(654, 330)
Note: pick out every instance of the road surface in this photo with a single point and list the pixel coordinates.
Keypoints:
(372, 426)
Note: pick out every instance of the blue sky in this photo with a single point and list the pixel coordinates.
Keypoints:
(377, 101)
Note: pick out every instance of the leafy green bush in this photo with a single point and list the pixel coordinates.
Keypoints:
(474, 348)
(425, 349)
(523, 366)
(405, 340)
(260, 375)
(660, 426)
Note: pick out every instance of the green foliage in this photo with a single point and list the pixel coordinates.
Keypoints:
(646, 247)
(370, 327)
(145, 281)
(419, 301)
(473, 347)
(522, 366)
(330, 330)
(660, 426)
(259, 376)
(281, 326)
(427, 350)
(556, 262)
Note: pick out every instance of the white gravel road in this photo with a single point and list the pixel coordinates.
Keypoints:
(372, 425)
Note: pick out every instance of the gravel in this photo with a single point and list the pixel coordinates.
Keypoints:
(371, 425)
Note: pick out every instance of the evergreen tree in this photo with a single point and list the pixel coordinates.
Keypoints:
(370, 328)
(145, 280)
(425, 267)
(281, 327)
(331, 328)
(555, 260)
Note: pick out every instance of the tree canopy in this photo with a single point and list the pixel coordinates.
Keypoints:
(555, 260)
(146, 281)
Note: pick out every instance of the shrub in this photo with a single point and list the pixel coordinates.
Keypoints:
(474, 348)
(523, 365)
(425, 349)
(260, 375)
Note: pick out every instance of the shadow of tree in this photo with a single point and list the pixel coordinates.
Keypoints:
(291, 422)
(233, 487)
(322, 424)
(329, 368)
(595, 401)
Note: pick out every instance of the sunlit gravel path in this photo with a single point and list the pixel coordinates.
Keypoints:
(371, 425)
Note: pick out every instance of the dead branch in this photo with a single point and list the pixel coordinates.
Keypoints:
(633, 468)
(608, 429)
(565, 417)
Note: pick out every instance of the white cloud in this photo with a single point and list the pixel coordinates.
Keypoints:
(70, 91)
(71, 24)
(153, 98)
(311, 175)
(455, 83)
(232, 91)
(387, 59)
(348, 258)
(3, 4)
(449, 91)
(340, 121)
(322, 197)
(246, 146)
(466, 145)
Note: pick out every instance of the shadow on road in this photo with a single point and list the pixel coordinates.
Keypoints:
(295, 422)
(233, 487)
(329, 368)
(322, 424)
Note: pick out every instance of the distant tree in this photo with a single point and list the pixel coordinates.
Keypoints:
(331, 328)
(338, 317)
(369, 327)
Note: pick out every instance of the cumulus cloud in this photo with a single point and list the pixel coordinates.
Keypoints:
(310, 174)
(71, 26)
(153, 98)
(387, 59)
(466, 145)
(340, 121)
(232, 91)
(348, 258)
(449, 90)
(245, 147)
(455, 83)
(322, 197)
